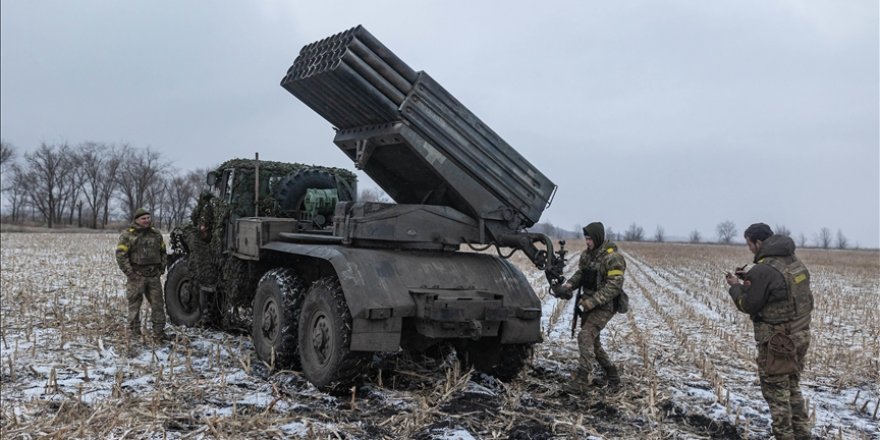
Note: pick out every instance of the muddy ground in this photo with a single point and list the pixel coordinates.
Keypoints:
(69, 370)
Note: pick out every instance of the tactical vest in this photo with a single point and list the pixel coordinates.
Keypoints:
(594, 278)
(145, 248)
(799, 300)
(590, 277)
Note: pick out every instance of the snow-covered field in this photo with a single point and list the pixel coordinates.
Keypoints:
(70, 371)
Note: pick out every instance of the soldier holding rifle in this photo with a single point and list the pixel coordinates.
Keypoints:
(599, 281)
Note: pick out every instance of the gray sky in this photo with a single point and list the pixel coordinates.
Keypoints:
(681, 114)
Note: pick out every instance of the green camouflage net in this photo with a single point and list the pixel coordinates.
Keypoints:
(271, 173)
(233, 281)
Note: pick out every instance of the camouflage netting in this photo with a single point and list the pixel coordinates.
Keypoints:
(233, 280)
(271, 173)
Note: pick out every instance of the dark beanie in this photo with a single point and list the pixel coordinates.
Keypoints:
(140, 213)
(758, 231)
(596, 231)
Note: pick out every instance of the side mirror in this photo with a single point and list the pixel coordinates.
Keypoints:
(211, 179)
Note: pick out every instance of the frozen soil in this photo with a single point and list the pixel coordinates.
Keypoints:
(69, 370)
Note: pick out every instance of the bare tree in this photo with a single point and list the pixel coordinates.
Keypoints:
(7, 155)
(823, 239)
(634, 233)
(7, 162)
(70, 200)
(726, 231)
(802, 240)
(139, 171)
(782, 230)
(98, 163)
(156, 197)
(373, 195)
(610, 233)
(17, 191)
(695, 236)
(46, 178)
(659, 234)
(842, 242)
(182, 193)
(198, 180)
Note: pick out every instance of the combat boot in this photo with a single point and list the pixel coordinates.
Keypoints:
(579, 383)
(159, 336)
(612, 375)
(134, 332)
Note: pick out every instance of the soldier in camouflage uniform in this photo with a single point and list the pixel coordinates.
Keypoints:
(141, 256)
(600, 274)
(775, 292)
(205, 246)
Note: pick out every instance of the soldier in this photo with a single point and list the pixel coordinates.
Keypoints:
(600, 274)
(141, 256)
(205, 248)
(775, 292)
(203, 216)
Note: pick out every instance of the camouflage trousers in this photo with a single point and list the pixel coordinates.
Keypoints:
(590, 344)
(137, 288)
(782, 392)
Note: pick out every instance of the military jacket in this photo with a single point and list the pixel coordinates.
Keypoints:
(600, 273)
(141, 251)
(777, 289)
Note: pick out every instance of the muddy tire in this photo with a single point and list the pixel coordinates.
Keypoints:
(325, 337)
(181, 295)
(489, 356)
(276, 310)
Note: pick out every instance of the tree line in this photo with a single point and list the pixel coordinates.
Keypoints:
(725, 232)
(93, 184)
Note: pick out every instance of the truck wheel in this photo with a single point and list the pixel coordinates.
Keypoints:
(514, 357)
(503, 361)
(276, 309)
(181, 296)
(325, 337)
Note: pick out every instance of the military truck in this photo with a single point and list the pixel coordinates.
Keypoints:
(329, 280)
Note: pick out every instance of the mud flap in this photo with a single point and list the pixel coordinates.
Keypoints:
(521, 331)
(375, 335)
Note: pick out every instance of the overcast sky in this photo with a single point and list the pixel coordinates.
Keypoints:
(681, 114)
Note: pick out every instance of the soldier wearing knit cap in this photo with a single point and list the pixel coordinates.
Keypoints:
(776, 294)
(600, 275)
(141, 256)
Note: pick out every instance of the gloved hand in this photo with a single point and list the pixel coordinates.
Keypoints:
(562, 291)
(586, 303)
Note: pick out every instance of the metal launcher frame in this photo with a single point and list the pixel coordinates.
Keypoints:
(425, 149)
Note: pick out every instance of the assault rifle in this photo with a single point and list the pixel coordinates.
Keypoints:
(577, 312)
